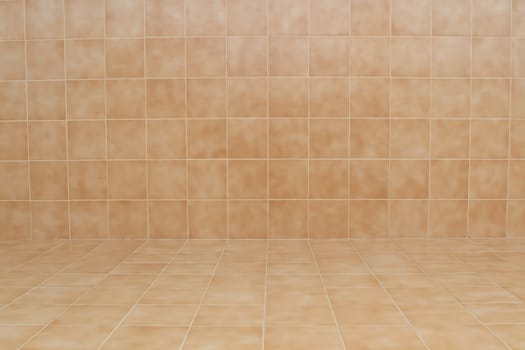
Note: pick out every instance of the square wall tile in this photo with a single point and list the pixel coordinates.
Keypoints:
(89, 220)
(166, 98)
(124, 18)
(41, 187)
(207, 138)
(448, 219)
(288, 56)
(370, 17)
(247, 138)
(88, 180)
(328, 138)
(45, 60)
(411, 17)
(44, 19)
(328, 179)
(288, 17)
(247, 17)
(491, 17)
(247, 97)
(451, 17)
(14, 95)
(14, 181)
(12, 60)
(86, 140)
(247, 179)
(288, 178)
(329, 219)
(127, 219)
(488, 179)
(13, 141)
(46, 100)
(12, 17)
(206, 17)
(288, 219)
(85, 59)
(15, 219)
(409, 179)
(84, 18)
(207, 179)
(207, 219)
(127, 180)
(86, 99)
(49, 220)
(165, 17)
(247, 56)
(408, 218)
(47, 140)
(288, 138)
(329, 56)
(165, 57)
(368, 218)
(369, 138)
(166, 139)
(167, 219)
(449, 179)
(331, 17)
(167, 179)
(487, 218)
(125, 58)
(369, 179)
(248, 219)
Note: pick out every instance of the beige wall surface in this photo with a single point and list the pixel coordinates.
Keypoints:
(262, 118)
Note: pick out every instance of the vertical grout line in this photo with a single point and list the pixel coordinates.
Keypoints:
(389, 201)
(430, 119)
(108, 219)
(186, 123)
(67, 119)
(27, 127)
(226, 42)
(349, 115)
(121, 322)
(308, 194)
(267, 122)
(146, 120)
(330, 306)
(470, 120)
(509, 118)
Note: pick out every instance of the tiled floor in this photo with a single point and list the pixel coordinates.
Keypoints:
(443, 294)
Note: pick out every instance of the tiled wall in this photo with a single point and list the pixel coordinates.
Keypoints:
(262, 118)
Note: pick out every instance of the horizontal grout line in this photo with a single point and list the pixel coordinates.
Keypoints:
(265, 35)
(235, 77)
(430, 159)
(273, 199)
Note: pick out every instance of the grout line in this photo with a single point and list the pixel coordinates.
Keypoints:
(265, 295)
(408, 323)
(66, 122)
(268, 156)
(186, 121)
(309, 126)
(203, 296)
(470, 120)
(349, 135)
(44, 326)
(145, 67)
(431, 82)
(146, 290)
(330, 306)
(509, 134)
(106, 138)
(227, 120)
(28, 162)
(389, 203)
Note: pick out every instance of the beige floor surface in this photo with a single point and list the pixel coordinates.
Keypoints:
(406, 294)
